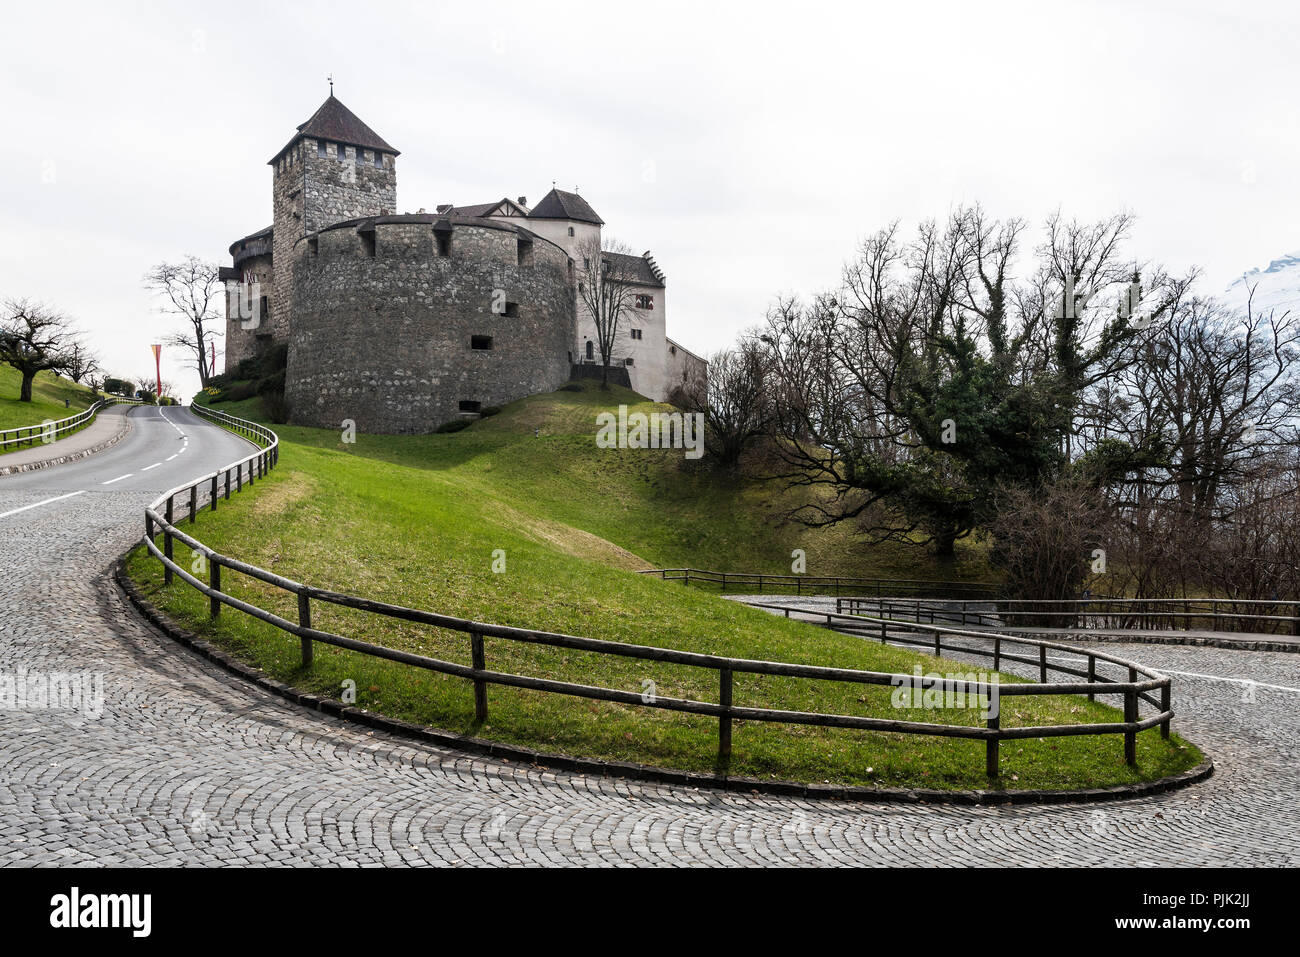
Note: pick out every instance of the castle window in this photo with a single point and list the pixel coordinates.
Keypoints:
(627, 362)
(443, 236)
(570, 230)
(469, 405)
(313, 244)
(570, 270)
(645, 302)
(480, 342)
(525, 252)
(379, 160)
(368, 242)
(361, 157)
(591, 352)
(512, 310)
(636, 333)
(673, 350)
(322, 148)
(342, 154)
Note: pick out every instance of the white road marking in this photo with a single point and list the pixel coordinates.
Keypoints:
(170, 457)
(47, 501)
(1240, 681)
(118, 479)
(148, 467)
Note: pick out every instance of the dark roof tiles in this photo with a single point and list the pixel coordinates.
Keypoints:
(336, 123)
(561, 205)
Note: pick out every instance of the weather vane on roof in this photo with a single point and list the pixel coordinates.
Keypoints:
(331, 81)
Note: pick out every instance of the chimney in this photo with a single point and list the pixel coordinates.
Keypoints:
(523, 200)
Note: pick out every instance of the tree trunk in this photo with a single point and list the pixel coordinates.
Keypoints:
(945, 543)
(26, 394)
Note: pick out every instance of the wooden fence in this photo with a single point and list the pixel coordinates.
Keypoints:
(1179, 614)
(48, 432)
(1138, 684)
(762, 583)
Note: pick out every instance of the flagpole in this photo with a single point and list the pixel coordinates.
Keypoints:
(157, 364)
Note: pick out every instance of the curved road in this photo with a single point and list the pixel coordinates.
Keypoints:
(186, 764)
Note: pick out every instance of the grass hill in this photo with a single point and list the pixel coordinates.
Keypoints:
(48, 394)
(418, 521)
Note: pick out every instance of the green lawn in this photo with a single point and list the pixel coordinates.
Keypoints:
(416, 520)
(48, 394)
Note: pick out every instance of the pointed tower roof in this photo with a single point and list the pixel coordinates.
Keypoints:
(558, 204)
(335, 122)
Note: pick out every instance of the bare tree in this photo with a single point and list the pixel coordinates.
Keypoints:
(607, 291)
(191, 289)
(81, 362)
(933, 377)
(1048, 540)
(35, 337)
(736, 401)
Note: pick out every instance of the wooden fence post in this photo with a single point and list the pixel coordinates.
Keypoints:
(194, 503)
(991, 748)
(1130, 715)
(1164, 706)
(1042, 664)
(227, 485)
(724, 720)
(1092, 675)
(214, 490)
(167, 543)
(480, 687)
(997, 654)
(214, 582)
(304, 619)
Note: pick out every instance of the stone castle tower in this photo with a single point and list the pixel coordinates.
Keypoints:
(404, 321)
(334, 168)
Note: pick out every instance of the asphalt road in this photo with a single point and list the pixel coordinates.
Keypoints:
(167, 446)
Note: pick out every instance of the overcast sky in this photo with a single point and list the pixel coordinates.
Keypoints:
(749, 146)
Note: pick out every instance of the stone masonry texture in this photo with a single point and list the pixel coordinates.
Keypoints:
(384, 326)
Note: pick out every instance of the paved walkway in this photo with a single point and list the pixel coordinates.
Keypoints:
(188, 765)
(110, 426)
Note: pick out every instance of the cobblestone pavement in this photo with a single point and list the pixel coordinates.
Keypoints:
(188, 765)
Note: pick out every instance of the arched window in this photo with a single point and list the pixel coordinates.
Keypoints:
(591, 352)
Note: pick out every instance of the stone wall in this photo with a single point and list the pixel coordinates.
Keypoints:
(311, 192)
(384, 325)
(256, 280)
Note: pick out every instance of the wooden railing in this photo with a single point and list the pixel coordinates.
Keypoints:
(1124, 614)
(48, 432)
(761, 583)
(1137, 685)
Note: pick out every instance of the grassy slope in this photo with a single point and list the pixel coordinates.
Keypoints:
(415, 520)
(48, 393)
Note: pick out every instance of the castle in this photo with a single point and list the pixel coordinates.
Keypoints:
(402, 322)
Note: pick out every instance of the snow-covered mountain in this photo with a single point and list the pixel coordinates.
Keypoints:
(1276, 288)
